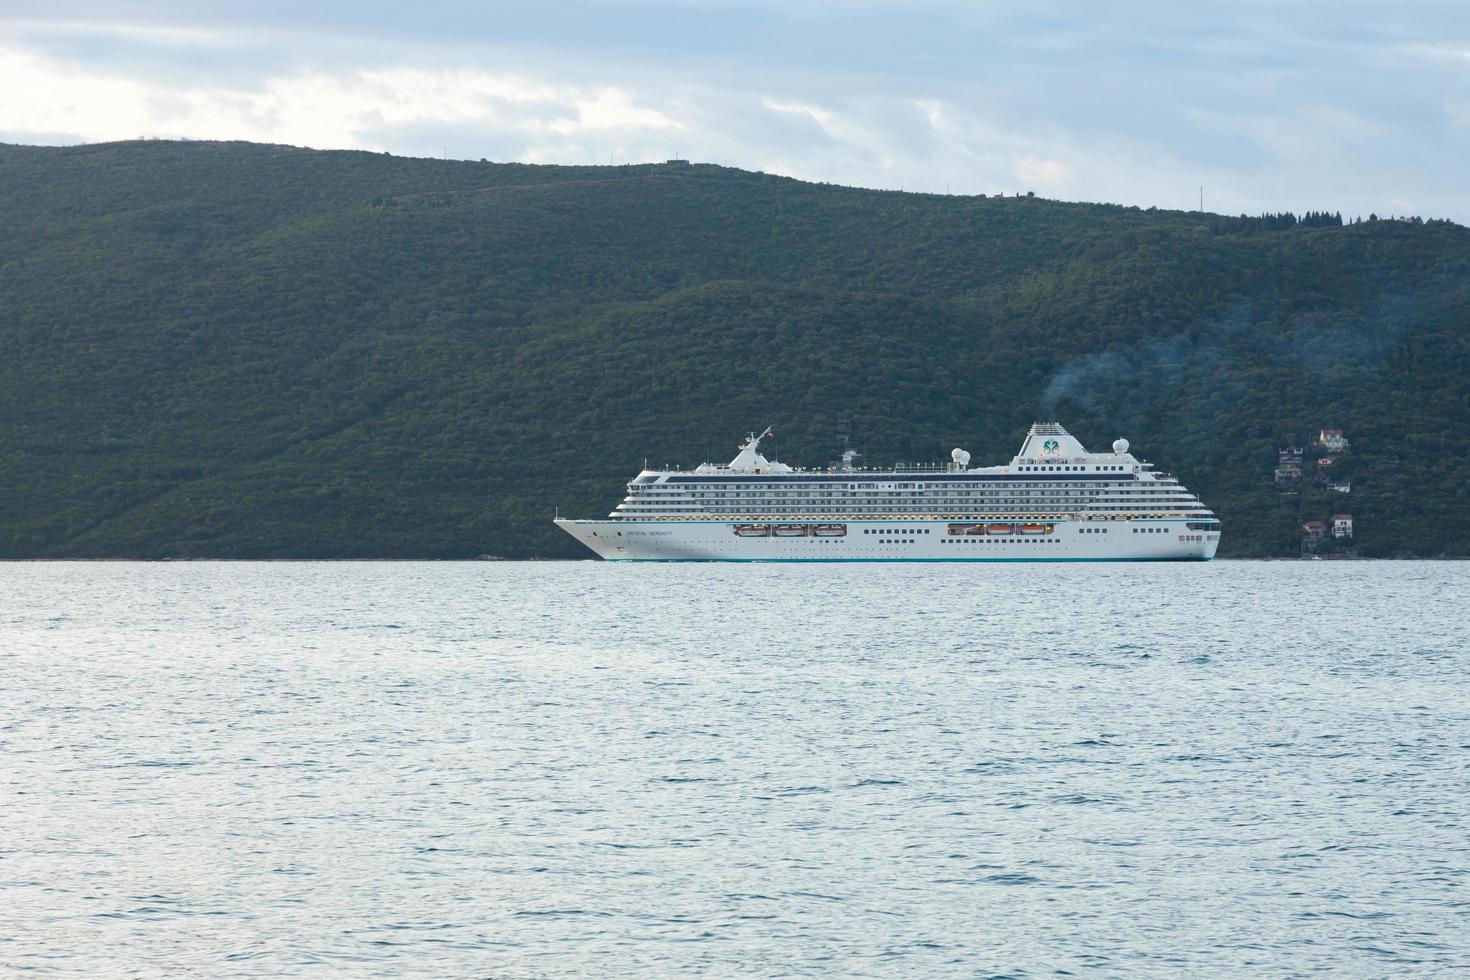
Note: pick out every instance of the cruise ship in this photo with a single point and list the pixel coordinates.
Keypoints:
(1054, 501)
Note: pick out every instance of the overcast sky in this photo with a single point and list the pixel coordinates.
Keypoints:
(1280, 105)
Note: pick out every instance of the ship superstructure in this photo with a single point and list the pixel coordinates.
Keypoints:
(1053, 501)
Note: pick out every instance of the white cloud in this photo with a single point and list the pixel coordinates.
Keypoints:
(1048, 173)
(817, 114)
(38, 96)
(339, 110)
(611, 108)
(1139, 104)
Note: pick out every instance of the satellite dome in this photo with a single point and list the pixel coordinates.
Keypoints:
(1120, 446)
(961, 457)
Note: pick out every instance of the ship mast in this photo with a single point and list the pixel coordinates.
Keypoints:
(752, 440)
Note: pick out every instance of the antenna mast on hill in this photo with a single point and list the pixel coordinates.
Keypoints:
(1202, 199)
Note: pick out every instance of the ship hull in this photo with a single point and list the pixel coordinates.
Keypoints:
(898, 540)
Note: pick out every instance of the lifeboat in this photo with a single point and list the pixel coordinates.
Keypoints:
(1000, 529)
(752, 530)
(830, 530)
(957, 530)
(1033, 529)
(790, 530)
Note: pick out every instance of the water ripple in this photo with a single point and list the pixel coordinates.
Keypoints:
(495, 769)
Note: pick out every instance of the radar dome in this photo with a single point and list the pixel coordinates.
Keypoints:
(961, 457)
(1120, 446)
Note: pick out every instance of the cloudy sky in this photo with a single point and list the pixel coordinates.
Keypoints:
(1281, 105)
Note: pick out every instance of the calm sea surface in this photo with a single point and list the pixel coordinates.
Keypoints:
(486, 769)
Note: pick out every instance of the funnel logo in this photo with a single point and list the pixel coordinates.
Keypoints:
(1051, 446)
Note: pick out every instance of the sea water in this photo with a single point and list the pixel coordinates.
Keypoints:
(506, 769)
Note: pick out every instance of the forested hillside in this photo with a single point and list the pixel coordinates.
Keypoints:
(212, 349)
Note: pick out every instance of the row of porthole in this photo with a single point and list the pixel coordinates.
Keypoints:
(975, 540)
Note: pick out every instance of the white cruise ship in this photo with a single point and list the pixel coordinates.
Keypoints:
(1054, 501)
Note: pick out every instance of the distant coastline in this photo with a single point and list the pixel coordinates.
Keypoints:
(229, 349)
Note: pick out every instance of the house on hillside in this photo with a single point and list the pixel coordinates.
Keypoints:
(1288, 465)
(1345, 487)
(1313, 534)
(1342, 525)
(1332, 440)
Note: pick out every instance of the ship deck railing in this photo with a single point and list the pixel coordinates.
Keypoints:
(840, 518)
(898, 470)
(824, 470)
